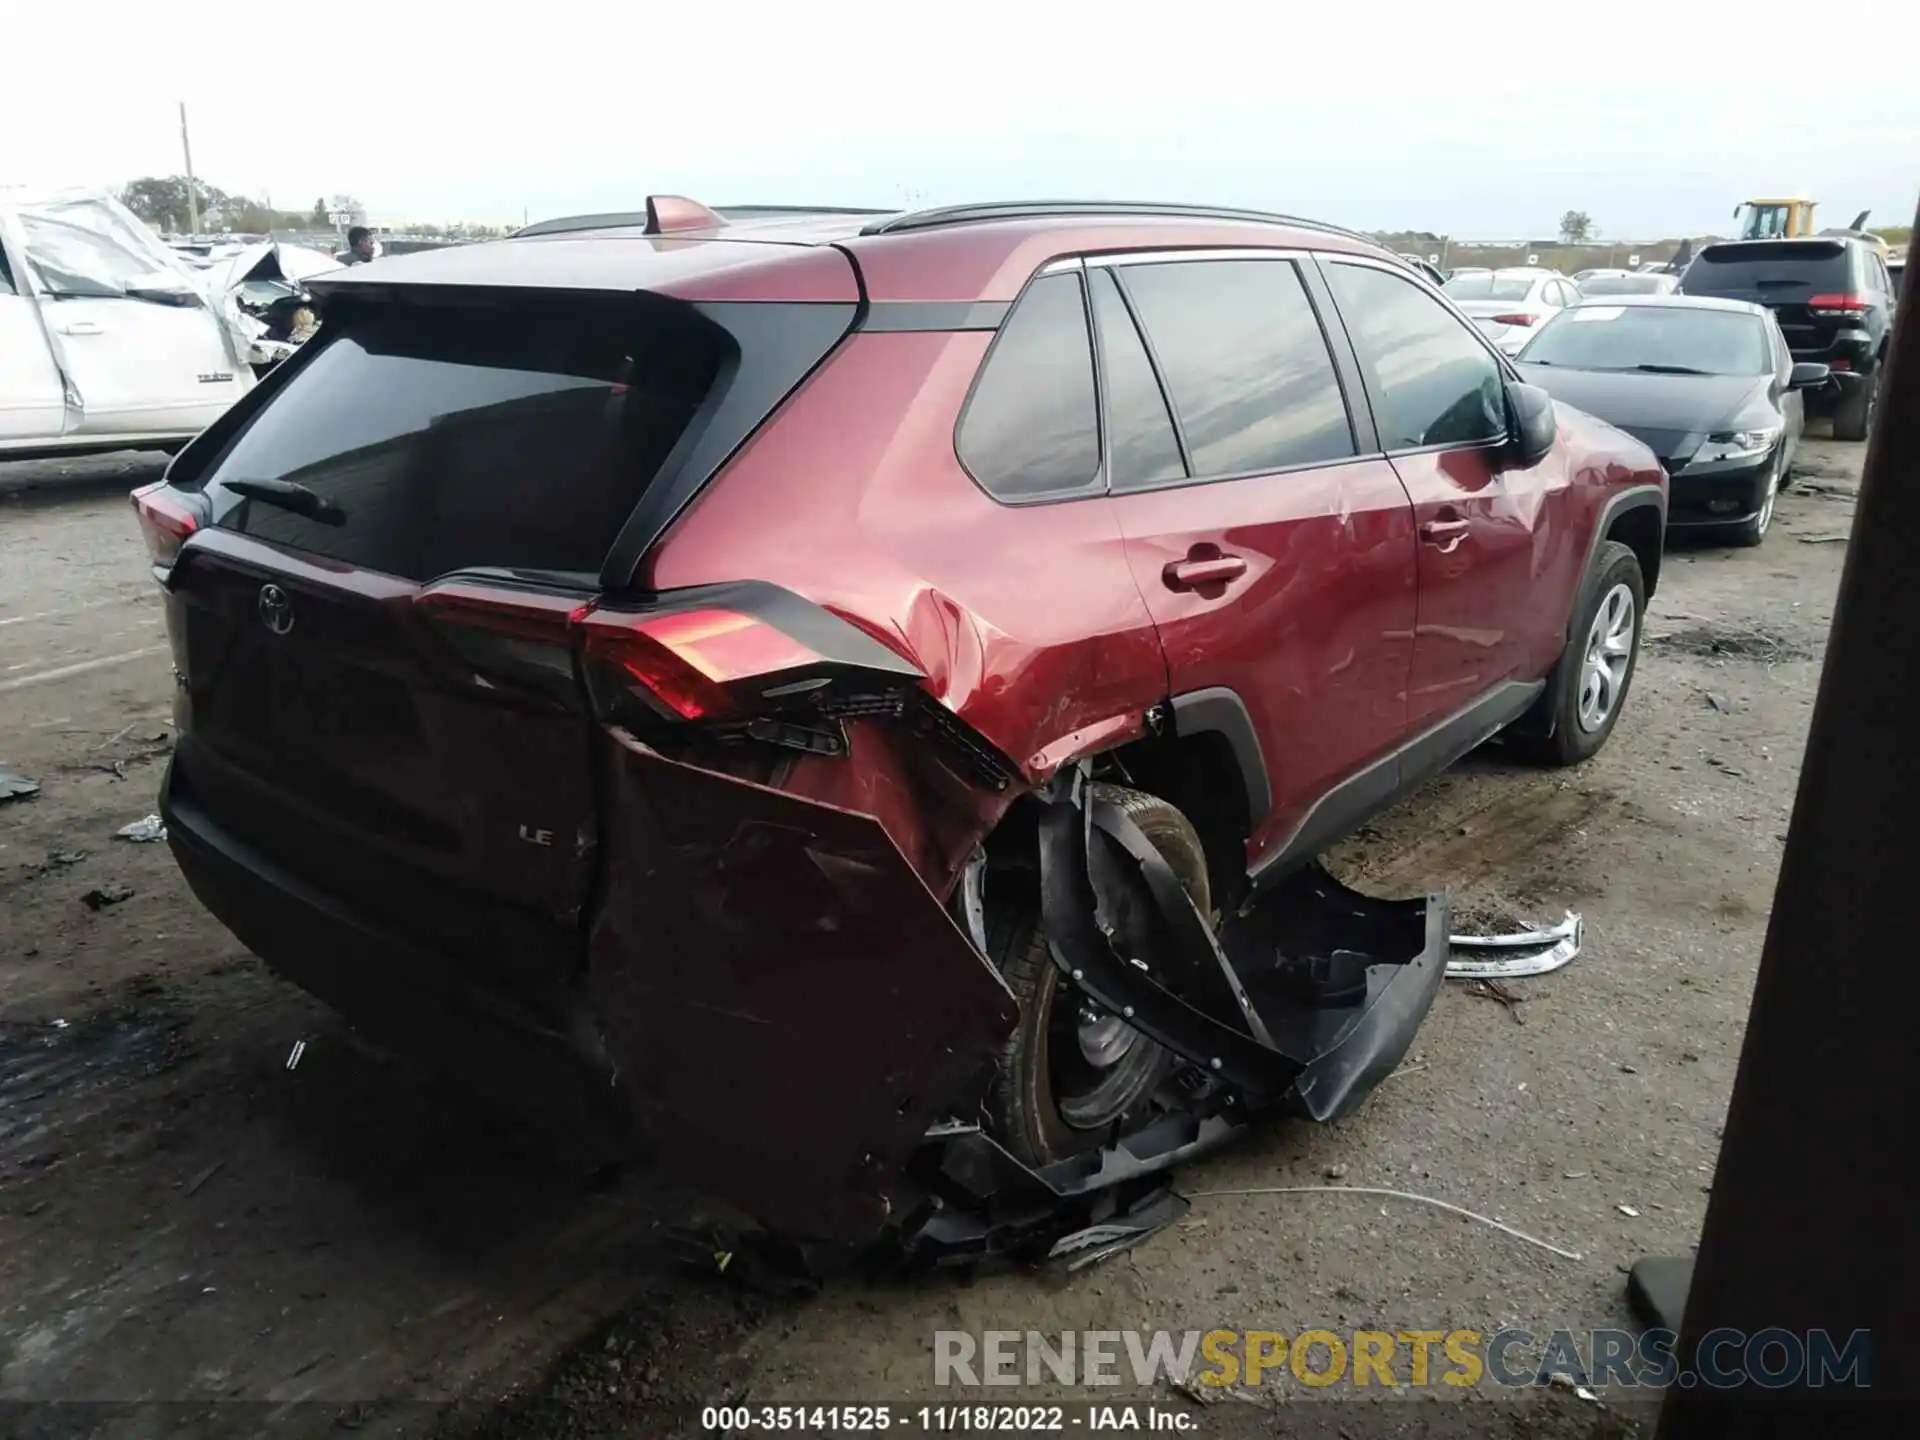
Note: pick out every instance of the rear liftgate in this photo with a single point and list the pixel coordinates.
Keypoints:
(802, 1029)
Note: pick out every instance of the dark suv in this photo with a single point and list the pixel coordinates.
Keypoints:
(1834, 300)
(835, 686)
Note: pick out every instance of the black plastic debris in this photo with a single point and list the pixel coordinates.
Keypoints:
(102, 896)
(14, 786)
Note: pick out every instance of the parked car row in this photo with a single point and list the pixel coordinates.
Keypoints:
(1833, 297)
(1709, 385)
(1829, 300)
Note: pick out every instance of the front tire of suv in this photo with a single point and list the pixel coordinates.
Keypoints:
(1589, 684)
(1071, 1076)
(1853, 416)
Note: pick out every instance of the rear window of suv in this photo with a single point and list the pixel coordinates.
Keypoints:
(1785, 266)
(448, 438)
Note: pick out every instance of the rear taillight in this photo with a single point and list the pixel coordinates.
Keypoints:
(1519, 317)
(742, 659)
(520, 637)
(687, 661)
(677, 664)
(1838, 305)
(167, 518)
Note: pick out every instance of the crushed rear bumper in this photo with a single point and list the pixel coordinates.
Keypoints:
(775, 1002)
(532, 1053)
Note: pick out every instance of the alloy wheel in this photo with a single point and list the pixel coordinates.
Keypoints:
(1608, 656)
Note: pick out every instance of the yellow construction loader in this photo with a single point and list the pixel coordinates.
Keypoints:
(1778, 219)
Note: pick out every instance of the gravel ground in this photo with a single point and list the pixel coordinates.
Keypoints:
(188, 1223)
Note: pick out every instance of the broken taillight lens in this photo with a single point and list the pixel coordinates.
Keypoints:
(687, 660)
(680, 660)
(167, 519)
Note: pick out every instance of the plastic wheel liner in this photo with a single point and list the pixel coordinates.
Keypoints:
(802, 1029)
(1304, 1000)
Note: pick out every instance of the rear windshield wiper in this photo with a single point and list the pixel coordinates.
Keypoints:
(289, 495)
(1671, 370)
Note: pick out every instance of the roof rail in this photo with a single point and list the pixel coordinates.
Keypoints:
(607, 221)
(753, 212)
(641, 219)
(944, 215)
(664, 215)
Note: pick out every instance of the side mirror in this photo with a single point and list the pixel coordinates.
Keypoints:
(1534, 425)
(1808, 376)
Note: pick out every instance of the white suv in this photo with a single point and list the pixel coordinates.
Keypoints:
(108, 340)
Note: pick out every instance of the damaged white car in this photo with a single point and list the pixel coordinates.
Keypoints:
(108, 340)
(267, 280)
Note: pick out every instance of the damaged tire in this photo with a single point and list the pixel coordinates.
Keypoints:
(1072, 1076)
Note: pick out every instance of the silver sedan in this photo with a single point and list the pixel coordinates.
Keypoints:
(1510, 305)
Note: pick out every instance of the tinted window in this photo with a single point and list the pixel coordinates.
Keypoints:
(6, 274)
(1623, 285)
(1774, 269)
(1435, 384)
(1245, 361)
(1030, 428)
(1485, 286)
(1626, 337)
(1139, 429)
(519, 437)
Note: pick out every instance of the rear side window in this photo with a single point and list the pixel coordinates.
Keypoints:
(6, 273)
(1245, 362)
(1883, 281)
(1030, 429)
(1145, 450)
(1782, 269)
(1433, 381)
(509, 436)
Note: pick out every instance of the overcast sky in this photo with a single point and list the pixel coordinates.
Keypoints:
(1485, 123)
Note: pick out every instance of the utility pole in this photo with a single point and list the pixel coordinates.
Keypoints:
(193, 193)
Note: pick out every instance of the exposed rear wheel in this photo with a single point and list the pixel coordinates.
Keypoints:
(1073, 1076)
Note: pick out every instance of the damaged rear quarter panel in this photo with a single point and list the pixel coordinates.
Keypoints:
(787, 1004)
(1026, 620)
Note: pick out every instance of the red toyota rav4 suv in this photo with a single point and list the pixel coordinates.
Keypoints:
(836, 689)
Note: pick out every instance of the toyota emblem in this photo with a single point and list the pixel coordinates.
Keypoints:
(276, 610)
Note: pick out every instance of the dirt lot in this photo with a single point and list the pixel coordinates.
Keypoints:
(188, 1221)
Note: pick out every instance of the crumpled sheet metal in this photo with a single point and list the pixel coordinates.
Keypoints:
(94, 234)
(1539, 952)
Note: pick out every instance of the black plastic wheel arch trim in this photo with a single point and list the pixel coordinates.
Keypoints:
(1636, 497)
(1069, 907)
(1204, 959)
(1220, 711)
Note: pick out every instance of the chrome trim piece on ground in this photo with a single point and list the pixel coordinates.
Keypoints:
(1548, 950)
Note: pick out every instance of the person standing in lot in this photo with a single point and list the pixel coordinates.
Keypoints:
(360, 247)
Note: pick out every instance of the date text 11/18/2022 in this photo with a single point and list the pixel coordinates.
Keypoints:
(943, 1419)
